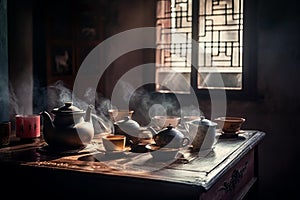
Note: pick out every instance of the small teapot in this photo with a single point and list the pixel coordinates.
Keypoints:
(202, 133)
(169, 137)
(128, 127)
(71, 126)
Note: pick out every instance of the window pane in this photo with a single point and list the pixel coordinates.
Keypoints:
(174, 25)
(220, 44)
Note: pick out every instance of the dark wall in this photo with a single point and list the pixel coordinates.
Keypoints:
(4, 97)
(277, 113)
(20, 56)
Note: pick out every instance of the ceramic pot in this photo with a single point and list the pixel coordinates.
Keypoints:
(170, 137)
(71, 126)
(202, 133)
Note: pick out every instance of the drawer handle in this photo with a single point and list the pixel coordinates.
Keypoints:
(236, 176)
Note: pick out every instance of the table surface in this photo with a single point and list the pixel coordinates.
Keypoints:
(197, 169)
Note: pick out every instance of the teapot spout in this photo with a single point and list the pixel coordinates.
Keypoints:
(153, 131)
(88, 114)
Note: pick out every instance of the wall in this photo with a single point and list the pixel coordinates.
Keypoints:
(124, 16)
(20, 57)
(277, 114)
(4, 98)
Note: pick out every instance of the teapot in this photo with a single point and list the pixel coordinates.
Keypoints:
(169, 137)
(71, 126)
(202, 132)
(128, 127)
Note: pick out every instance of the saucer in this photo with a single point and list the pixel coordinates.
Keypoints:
(47, 149)
(126, 149)
(162, 153)
(231, 134)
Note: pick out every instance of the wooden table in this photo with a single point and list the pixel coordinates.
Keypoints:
(228, 171)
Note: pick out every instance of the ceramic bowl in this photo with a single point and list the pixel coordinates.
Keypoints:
(164, 121)
(116, 115)
(230, 124)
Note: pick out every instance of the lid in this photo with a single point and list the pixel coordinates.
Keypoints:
(127, 122)
(67, 108)
(203, 122)
(170, 130)
(169, 127)
(128, 125)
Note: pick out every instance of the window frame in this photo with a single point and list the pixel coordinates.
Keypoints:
(249, 71)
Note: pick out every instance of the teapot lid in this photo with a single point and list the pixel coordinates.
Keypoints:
(68, 107)
(204, 122)
(128, 125)
(169, 127)
(127, 121)
(170, 130)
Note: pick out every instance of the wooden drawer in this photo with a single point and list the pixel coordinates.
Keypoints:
(236, 182)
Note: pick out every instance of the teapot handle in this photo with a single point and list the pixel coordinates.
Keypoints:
(185, 141)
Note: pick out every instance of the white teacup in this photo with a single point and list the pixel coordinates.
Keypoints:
(116, 115)
(114, 142)
(161, 122)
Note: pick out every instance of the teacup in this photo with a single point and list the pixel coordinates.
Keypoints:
(114, 142)
(28, 126)
(188, 118)
(161, 122)
(116, 115)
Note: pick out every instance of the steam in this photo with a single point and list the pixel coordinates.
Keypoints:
(14, 102)
(148, 104)
(157, 110)
(191, 110)
(58, 94)
(145, 104)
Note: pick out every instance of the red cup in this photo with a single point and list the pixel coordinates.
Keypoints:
(28, 126)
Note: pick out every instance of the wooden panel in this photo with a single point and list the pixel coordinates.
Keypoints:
(232, 184)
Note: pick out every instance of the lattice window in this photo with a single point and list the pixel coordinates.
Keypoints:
(216, 27)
